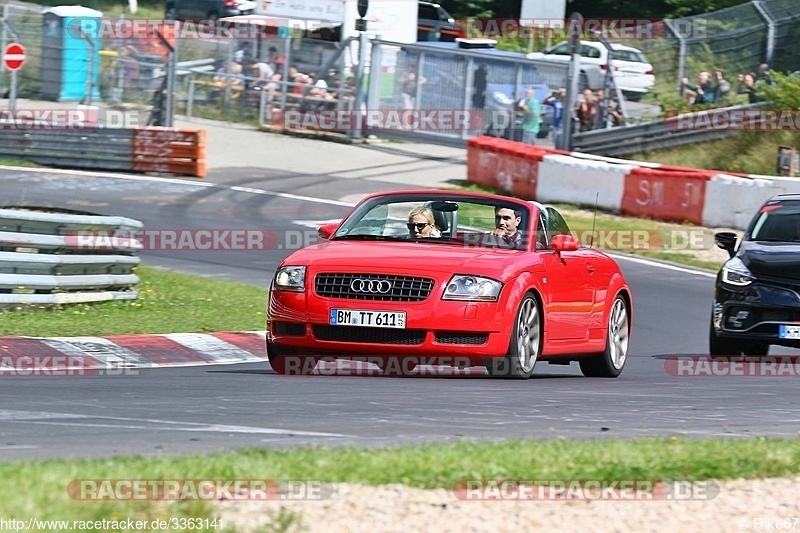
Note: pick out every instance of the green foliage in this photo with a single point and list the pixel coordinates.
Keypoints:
(784, 94)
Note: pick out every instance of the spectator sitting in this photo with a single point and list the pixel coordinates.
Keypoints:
(763, 74)
(747, 86)
(243, 54)
(259, 70)
(704, 90)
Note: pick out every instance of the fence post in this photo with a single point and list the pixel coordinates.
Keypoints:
(190, 98)
(681, 55)
(770, 30)
(3, 43)
(12, 92)
(468, 81)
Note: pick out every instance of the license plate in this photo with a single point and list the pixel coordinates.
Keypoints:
(789, 332)
(372, 319)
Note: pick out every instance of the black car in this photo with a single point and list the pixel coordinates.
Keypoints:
(436, 24)
(757, 300)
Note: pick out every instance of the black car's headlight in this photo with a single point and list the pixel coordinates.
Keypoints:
(735, 273)
(290, 278)
(472, 288)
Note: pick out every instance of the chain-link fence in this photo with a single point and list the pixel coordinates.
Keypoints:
(735, 40)
(484, 86)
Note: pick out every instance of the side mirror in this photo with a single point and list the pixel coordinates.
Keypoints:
(726, 240)
(326, 230)
(565, 243)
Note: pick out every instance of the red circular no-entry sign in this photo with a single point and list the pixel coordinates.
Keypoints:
(14, 56)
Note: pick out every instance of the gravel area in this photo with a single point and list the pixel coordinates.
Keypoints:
(741, 505)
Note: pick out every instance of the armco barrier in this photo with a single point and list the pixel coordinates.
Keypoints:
(662, 192)
(165, 150)
(44, 259)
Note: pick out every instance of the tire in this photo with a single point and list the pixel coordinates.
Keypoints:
(610, 363)
(731, 346)
(632, 96)
(525, 346)
(286, 362)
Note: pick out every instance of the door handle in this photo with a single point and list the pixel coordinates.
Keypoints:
(590, 268)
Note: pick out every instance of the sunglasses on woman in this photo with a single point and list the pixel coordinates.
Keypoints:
(419, 226)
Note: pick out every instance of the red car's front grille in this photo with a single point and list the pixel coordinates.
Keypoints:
(369, 335)
(459, 337)
(358, 287)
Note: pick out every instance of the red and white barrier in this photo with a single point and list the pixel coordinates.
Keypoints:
(649, 190)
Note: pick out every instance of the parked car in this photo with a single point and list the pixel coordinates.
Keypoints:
(436, 24)
(376, 287)
(208, 10)
(757, 298)
(633, 73)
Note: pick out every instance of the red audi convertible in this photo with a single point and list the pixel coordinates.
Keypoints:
(456, 278)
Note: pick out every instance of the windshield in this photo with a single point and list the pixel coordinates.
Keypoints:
(778, 223)
(630, 55)
(439, 220)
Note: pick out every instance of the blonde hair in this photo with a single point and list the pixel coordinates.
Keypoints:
(424, 211)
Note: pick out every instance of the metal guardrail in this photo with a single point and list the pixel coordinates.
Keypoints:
(55, 258)
(656, 134)
(153, 149)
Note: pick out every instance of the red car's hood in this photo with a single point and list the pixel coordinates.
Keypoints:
(409, 257)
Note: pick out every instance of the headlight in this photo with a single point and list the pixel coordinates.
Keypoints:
(290, 278)
(735, 273)
(472, 288)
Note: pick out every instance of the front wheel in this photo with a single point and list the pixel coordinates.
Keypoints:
(733, 347)
(525, 346)
(610, 363)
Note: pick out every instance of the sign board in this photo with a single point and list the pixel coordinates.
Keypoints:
(543, 9)
(14, 56)
(788, 161)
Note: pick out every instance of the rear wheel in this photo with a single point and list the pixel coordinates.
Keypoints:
(610, 363)
(525, 346)
(287, 362)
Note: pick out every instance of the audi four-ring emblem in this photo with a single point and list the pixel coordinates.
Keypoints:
(375, 286)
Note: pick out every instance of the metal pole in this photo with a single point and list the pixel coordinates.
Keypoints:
(360, 72)
(262, 103)
(87, 97)
(287, 52)
(418, 88)
(3, 43)
(572, 81)
(374, 87)
(770, 30)
(681, 55)
(168, 98)
(190, 98)
(468, 81)
(12, 93)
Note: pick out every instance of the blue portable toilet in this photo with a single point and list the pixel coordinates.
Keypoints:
(66, 54)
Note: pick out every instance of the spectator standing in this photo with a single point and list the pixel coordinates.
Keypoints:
(557, 101)
(600, 97)
(244, 54)
(531, 119)
(586, 111)
(763, 74)
(408, 82)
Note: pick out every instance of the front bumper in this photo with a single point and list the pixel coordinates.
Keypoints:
(756, 312)
(474, 330)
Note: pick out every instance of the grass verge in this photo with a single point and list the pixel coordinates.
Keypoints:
(425, 467)
(678, 243)
(169, 302)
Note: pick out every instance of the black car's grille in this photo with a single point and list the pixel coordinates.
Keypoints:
(356, 287)
(459, 337)
(369, 335)
(289, 328)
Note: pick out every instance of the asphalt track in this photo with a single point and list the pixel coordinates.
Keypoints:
(170, 411)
